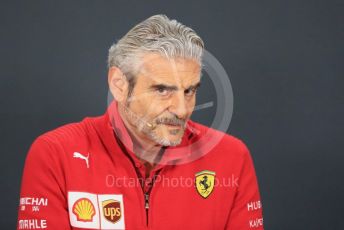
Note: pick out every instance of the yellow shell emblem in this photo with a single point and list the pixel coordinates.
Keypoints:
(84, 210)
(205, 181)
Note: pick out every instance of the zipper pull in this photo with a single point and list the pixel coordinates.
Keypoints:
(146, 200)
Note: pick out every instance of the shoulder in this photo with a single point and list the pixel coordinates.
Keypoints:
(53, 143)
(223, 144)
(72, 133)
(67, 133)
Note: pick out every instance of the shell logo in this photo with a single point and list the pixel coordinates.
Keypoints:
(84, 210)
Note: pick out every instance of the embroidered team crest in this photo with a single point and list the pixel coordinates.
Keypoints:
(205, 181)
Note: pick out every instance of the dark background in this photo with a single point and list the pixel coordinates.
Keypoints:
(284, 58)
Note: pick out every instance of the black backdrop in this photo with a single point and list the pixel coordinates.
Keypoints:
(284, 59)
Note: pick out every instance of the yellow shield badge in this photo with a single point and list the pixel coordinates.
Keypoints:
(205, 181)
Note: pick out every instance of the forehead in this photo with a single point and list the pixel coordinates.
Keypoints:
(174, 70)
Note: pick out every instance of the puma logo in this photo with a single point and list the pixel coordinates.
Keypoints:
(79, 155)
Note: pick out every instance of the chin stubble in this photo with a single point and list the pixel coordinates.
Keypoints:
(142, 126)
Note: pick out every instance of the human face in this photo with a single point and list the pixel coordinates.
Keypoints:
(163, 98)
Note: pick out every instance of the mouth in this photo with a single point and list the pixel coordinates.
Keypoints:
(178, 126)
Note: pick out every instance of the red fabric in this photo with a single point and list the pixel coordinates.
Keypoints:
(53, 175)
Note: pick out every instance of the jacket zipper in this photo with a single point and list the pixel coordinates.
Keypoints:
(146, 198)
(147, 195)
(132, 163)
(146, 206)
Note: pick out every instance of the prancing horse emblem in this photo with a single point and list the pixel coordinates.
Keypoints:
(205, 181)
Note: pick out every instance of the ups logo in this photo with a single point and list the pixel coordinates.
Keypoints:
(112, 210)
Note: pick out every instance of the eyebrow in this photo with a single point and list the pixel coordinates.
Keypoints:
(172, 87)
(195, 86)
(163, 86)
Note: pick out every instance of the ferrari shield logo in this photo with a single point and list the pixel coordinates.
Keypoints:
(205, 181)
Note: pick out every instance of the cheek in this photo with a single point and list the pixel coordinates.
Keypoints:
(191, 105)
(149, 107)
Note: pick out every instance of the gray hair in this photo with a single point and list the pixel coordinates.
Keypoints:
(156, 34)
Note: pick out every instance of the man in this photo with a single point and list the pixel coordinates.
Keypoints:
(142, 165)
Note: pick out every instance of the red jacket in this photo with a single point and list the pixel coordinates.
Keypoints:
(82, 176)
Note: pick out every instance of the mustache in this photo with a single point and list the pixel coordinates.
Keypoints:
(170, 121)
(155, 122)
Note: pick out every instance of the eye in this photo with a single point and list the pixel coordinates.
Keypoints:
(163, 91)
(190, 92)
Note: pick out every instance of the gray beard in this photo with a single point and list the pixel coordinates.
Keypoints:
(141, 126)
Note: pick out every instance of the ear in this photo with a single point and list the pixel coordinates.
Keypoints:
(118, 84)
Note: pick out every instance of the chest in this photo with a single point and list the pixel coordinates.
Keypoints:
(110, 193)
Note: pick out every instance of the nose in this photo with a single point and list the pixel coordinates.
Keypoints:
(178, 105)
